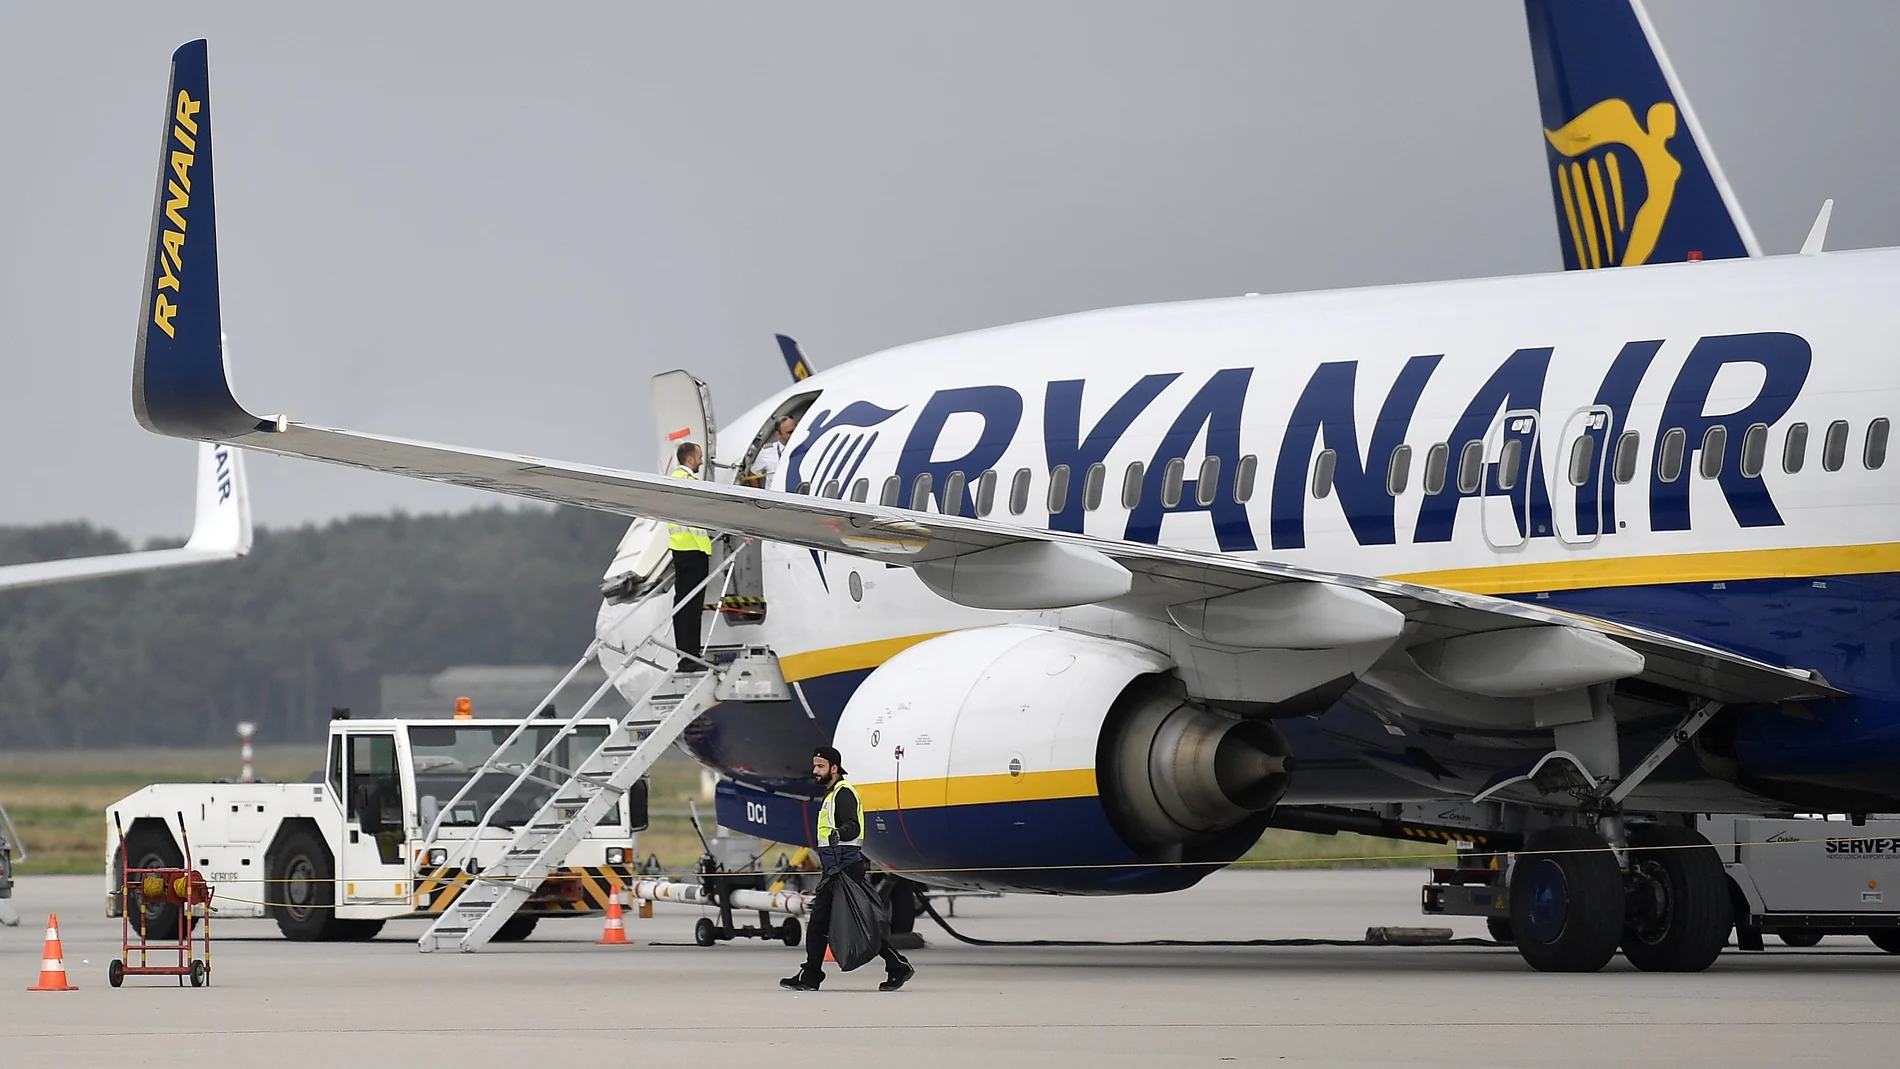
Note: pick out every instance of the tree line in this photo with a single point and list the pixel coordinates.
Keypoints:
(312, 618)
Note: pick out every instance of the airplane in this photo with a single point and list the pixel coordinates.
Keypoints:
(220, 530)
(1549, 562)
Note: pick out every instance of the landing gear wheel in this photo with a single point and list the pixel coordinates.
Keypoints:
(1799, 937)
(705, 933)
(1500, 929)
(303, 879)
(357, 931)
(115, 972)
(790, 933)
(1887, 939)
(1566, 901)
(516, 928)
(200, 972)
(1677, 915)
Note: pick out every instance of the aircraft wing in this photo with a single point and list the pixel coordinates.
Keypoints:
(221, 531)
(180, 388)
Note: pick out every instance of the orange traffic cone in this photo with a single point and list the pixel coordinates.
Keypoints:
(52, 961)
(828, 956)
(615, 934)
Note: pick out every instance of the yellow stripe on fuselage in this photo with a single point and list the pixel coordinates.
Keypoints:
(934, 792)
(1735, 566)
(816, 663)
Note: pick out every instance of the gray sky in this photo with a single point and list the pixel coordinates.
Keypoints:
(488, 225)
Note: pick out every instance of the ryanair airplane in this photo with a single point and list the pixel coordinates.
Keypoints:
(221, 530)
(1548, 564)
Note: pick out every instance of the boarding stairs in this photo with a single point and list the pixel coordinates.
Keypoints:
(583, 796)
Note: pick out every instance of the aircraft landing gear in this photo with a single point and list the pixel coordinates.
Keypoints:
(1566, 901)
(1677, 913)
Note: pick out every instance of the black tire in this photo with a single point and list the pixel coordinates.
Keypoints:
(200, 972)
(516, 928)
(705, 932)
(1887, 939)
(356, 931)
(903, 901)
(115, 972)
(1800, 937)
(152, 847)
(790, 933)
(303, 888)
(1500, 929)
(1677, 917)
(1566, 901)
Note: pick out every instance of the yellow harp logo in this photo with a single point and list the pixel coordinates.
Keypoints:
(1596, 148)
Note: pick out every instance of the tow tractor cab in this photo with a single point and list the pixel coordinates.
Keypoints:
(335, 857)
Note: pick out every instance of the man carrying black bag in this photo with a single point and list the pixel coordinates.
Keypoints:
(847, 914)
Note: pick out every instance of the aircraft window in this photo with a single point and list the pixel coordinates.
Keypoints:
(1874, 454)
(1669, 466)
(1171, 477)
(1714, 444)
(832, 489)
(1794, 452)
(1092, 486)
(1399, 471)
(1207, 483)
(892, 487)
(920, 493)
(1437, 458)
(804, 487)
(1470, 467)
(1834, 446)
(1244, 473)
(1582, 452)
(1754, 450)
(986, 492)
(1059, 489)
(1019, 492)
(1510, 459)
(1131, 486)
(1628, 445)
(1323, 473)
(860, 490)
(952, 496)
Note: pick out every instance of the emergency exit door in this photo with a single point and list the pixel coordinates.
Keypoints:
(1511, 458)
(1583, 483)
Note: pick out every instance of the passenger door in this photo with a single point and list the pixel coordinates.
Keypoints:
(373, 867)
(682, 412)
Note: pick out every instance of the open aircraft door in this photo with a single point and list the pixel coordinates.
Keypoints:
(682, 412)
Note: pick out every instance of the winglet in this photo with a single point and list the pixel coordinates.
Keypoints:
(1817, 234)
(795, 360)
(179, 385)
(1633, 175)
(223, 520)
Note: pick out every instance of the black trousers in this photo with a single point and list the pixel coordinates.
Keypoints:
(689, 570)
(818, 928)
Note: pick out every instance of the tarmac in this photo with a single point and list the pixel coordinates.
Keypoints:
(559, 999)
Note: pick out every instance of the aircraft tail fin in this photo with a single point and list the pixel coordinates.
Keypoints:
(1633, 175)
(795, 361)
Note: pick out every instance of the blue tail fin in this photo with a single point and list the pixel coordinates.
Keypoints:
(178, 379)
(795, 361)
(1633, 175)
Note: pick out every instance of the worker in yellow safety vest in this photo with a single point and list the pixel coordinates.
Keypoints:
(841, 851)
(692, 559)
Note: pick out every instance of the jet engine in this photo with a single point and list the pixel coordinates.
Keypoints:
(1027, 758)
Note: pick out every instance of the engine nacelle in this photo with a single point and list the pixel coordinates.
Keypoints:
(1020, 757)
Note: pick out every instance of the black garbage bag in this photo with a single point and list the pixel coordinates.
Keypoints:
(859, 922)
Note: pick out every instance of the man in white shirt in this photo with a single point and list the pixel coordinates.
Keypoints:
(772, 453)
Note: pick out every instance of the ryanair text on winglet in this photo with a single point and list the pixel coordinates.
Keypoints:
(178, 189)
